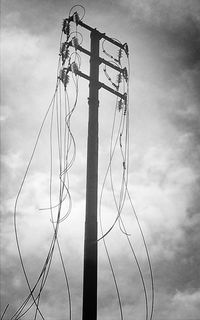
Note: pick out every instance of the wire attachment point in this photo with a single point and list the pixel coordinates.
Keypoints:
(64, 51)
(76, 18)
(120, 105)
(119, 55)
(66, 27)
(63, 76)
(125, 74)
(126, 49)
(125, 103)
(75, 43)
(74, 68)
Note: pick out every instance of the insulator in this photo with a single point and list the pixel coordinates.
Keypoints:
(75, 42)
(61, 74)
(64, 51)
(64, 47)
(76, 17)
(64, 77)
(65, 55)
(125, 74)
(66, 27)
(119, 78)
(120, 104)
(64, 24)
(74, 67)
(119, 55)
(66, 80)
(125, 104)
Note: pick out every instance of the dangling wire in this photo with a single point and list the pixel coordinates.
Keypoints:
(113, 146)
(15, 208)
(101, 226)
(65, 141)
(123, 138)
(4, 312)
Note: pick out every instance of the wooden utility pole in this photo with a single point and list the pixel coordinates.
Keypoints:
(90, 247)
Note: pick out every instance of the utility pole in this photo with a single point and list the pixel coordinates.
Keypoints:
(90, 246)
(90, 271)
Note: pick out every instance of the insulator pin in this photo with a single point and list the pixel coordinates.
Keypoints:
(119, 78)
(119, 55)
(125, 74)
(76, 18)
(120, 104)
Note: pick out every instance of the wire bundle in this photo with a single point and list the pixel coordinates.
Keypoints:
(120, 138)
(60, 113)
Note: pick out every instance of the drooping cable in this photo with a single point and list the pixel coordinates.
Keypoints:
(123, 194)
(19, 192)
(102, 231)
(4, 312)
(19, 311)
(104, 234)
(45, 270)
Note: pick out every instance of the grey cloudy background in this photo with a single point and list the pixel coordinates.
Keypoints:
(164, 179)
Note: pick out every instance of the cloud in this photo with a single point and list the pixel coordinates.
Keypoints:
(183, 304)
(164, 153)
(160, 12)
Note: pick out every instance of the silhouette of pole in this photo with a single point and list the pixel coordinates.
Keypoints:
(90, 245)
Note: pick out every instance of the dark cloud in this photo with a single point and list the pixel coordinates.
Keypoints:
(34, 16)
(179, 35)
(42, 17)
(185, 39)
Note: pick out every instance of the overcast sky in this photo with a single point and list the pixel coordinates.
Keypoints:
(164, 177)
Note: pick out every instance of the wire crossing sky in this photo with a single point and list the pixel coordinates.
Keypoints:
(148, 165)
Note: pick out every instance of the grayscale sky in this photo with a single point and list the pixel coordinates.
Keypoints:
(164, 177)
